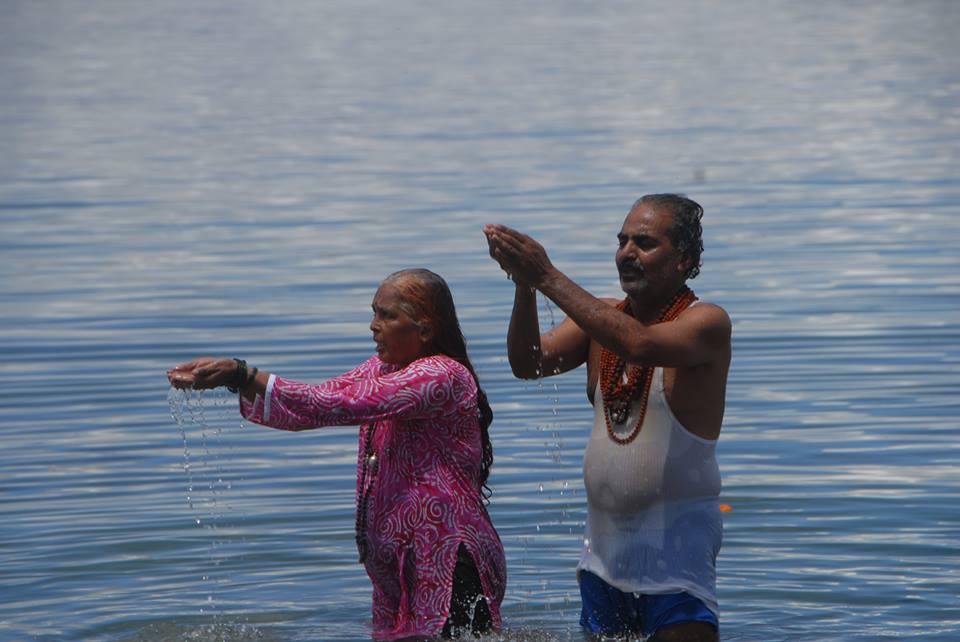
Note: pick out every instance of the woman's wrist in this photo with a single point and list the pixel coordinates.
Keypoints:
(240, 376)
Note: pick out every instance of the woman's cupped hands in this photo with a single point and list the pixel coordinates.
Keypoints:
(202, 373)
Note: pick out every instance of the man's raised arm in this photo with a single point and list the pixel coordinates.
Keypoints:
(531, 355)
(699, 336)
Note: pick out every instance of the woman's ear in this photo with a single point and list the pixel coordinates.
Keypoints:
(426, 332)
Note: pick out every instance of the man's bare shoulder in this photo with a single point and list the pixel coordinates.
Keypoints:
(610, 301)
(712, 320)
(710, 311)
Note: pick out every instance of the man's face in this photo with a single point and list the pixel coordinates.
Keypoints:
(648, 263)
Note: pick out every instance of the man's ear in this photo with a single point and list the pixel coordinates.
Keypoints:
(684, 265)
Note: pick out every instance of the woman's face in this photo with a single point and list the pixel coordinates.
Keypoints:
(400, 340)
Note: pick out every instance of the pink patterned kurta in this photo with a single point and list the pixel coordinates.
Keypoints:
(425, 500)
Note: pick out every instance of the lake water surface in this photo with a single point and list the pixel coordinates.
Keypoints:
(234, 178)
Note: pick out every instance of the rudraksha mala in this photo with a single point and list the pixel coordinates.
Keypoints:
(617, 394)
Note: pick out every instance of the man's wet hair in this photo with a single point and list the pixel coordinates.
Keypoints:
(686, 233)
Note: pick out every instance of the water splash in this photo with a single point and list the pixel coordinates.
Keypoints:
(222, 632)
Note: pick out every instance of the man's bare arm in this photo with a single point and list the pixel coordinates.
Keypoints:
(700, 335)
(533, 355)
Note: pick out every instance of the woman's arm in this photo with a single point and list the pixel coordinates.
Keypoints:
(424, 388)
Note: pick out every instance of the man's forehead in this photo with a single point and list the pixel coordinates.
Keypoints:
(646, 219)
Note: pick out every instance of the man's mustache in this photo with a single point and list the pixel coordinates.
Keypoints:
(631, 267)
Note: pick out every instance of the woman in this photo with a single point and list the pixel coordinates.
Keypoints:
(423, 532)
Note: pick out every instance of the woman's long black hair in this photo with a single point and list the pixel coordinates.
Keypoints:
(426, 297)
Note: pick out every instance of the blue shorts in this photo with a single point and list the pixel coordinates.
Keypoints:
(609, 611)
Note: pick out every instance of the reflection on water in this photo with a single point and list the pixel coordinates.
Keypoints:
(235, 178)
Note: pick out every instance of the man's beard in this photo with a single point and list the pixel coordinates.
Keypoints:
(632, 278)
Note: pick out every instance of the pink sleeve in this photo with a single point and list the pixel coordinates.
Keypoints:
(259, 410)
(422, 389)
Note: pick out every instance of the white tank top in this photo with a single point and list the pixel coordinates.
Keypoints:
(653, 519)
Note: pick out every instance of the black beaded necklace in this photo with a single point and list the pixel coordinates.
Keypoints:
(370, 464)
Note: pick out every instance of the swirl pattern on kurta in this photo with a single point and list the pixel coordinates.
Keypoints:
(425, 500)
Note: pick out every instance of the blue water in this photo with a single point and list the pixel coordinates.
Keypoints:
(234, 178)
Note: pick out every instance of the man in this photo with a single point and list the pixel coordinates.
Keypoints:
(657, 365)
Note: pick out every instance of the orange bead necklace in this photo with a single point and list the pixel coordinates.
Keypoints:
(617, 394)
